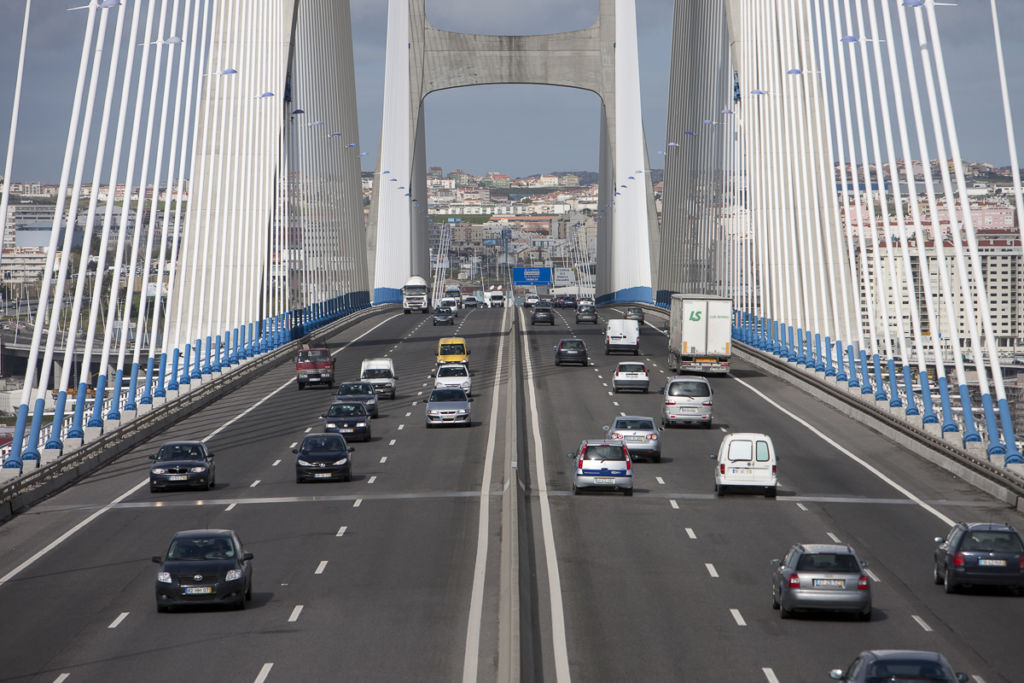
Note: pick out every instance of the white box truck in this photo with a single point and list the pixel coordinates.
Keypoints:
(700, 333)
(415, 296)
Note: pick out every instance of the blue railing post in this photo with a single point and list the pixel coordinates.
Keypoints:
(880, 394)
(908, 387)
(798, 353)
(840, 364)
(948, 423)
(172, 384)
(995, 445)
(865, 381)
(76, 431)
(894, 394)
(196, 370)
(115, 400)
(133, 383)
(970, 431)
(54, 441)
(97, 406)
(147, 388)
(1013, 455)
(207, 366)
(853, 382)
(928, 416)
(13, 460)
(160, 391)
(31, 451)
(213, 355)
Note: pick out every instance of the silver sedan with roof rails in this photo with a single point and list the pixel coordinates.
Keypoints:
(640, 435)
(602, 464)
(447, 406)
(879, 666)
(821, 577)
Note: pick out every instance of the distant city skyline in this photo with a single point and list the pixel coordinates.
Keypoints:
(519, 130)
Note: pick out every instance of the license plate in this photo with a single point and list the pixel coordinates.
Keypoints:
(198, 590)
(178, 477)
(739, 470)
(828, 583)
(634, 438)
(314, 379)
(322, 475)
(604, 480)
(689, 411)
(985, 562)
(345, 430)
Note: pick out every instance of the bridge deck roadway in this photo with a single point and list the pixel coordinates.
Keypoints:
(392, 601)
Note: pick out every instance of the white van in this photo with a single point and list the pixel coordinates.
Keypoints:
(746, 460)
(622, 335)
(380, 372)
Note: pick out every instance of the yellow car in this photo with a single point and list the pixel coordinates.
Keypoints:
(452, 350)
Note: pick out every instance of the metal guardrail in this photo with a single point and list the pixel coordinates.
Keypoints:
(33, 486)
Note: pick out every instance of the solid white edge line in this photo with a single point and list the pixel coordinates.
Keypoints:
(558, 640)
(320, 567)
(117, 622)
(857, 459)
(769, 674)
(294, 616)
(921, 622)
(471, 655)
(264, 672)
(740, 621)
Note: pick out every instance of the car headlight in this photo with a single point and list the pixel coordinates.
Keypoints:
(360, 424)
(342, 461)
(158, 470)
(197, 468)
(233, 575)
(371, 402)
(163, 577)
(462, 412)
(465, 386)
(330, 425)
(433, 412)
(304, 463)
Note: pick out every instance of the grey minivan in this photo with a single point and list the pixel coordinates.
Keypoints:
(688, 400)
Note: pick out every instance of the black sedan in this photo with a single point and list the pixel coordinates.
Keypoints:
(444, 315)
(204, 567)
(349, 418)
(979, 553)
(323, 457)
(359, 391)
(542, 314)
(182, 464)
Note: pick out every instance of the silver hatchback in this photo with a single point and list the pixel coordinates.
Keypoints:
(818, 576)
(688, 400)
(640, 435)
(602, 464)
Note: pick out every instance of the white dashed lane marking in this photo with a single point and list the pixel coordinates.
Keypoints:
(874, 577)
(660, 480)
(615, 403)
(341, 531)
(254, 484)
(769, 674)
(294, 444)
(231, 507)
(802, 506)
(371, 479)
(401, 427)
(737, 616)
(675, 505)
(835, 539)
(383, 459)
(65, 676)
(711, 570)
(320, 567)
(264, 672)
(391, 443)
(691, 534)
(921, 622)
(278, 461)
(117, 622)
(408, 414)
(294, 616)
(308, 430)
(359, 501)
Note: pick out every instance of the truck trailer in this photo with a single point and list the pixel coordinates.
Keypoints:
(700, 333)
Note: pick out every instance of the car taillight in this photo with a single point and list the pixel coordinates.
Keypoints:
(652, 437)
(794, 580)
(1021, 563)
(958, 560)
(579, 464)
(862, 583)
(721, 468)
(670, 403)
(775, 469)
(706, 404)
(629, 464)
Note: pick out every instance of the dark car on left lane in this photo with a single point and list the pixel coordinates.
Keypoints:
(323, 457)
(204, 567)
(182, 464)
(349, 418)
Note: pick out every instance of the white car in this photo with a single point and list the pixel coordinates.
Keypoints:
(631, 376)
(531, 300)
(450, 303)
(746, 461)
(454, 376)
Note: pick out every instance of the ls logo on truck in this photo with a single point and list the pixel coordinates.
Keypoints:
(695, 316)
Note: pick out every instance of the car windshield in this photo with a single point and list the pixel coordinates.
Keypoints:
(323, 443)
(179, 451)
(572, 344)
(828, 562)
(632, 367)
(442, 309)
(453, 349)
(695, 389)
(346, 410)
(603, 452)
(376, 373)
(586, 309)
(906, 670)
(991, 542)
(625, 423)
(447, 395)
(201, 548)
(452, 371)
(633, 310)
(314, 356)
(354, 389)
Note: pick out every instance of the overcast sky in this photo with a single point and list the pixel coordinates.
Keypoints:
(521, 129)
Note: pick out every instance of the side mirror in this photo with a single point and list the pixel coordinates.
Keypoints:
(570, 455)
(468, 352)
(395, 378)
(604, 427)
(323, 416)
(295, 451)
(836, 674)
(152, 456)
(712, 456)
(351, 449)
(156, 558)
(863, 563)
(661, 390)
(776, 563)
(962, 677)
(939, 539)
(246, 556)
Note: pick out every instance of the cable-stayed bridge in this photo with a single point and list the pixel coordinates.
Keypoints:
(812, 174)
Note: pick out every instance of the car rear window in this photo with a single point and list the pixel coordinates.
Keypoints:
(828, 562)
(740, 450)
(991, 542)
(603, 452)
(632, 367)
(572, 344)
(647, 425)
(695, 389)
(762, 453)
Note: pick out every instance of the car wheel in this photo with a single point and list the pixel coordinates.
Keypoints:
(210, 484)
(636, 352)
(301, 386)
(298, 479)
(348, 476)
(865, 615)
(707, 425)
(948, 583)
(770, 492)
(775, 599)
(161, 608)
(784, 613)
(657, 458)
(369, 437)
(936, 577)
(152, 489)
(557, 362)
(240, 604)
(248, 592)
(720, 490)
(628, 492)
(645, 390)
